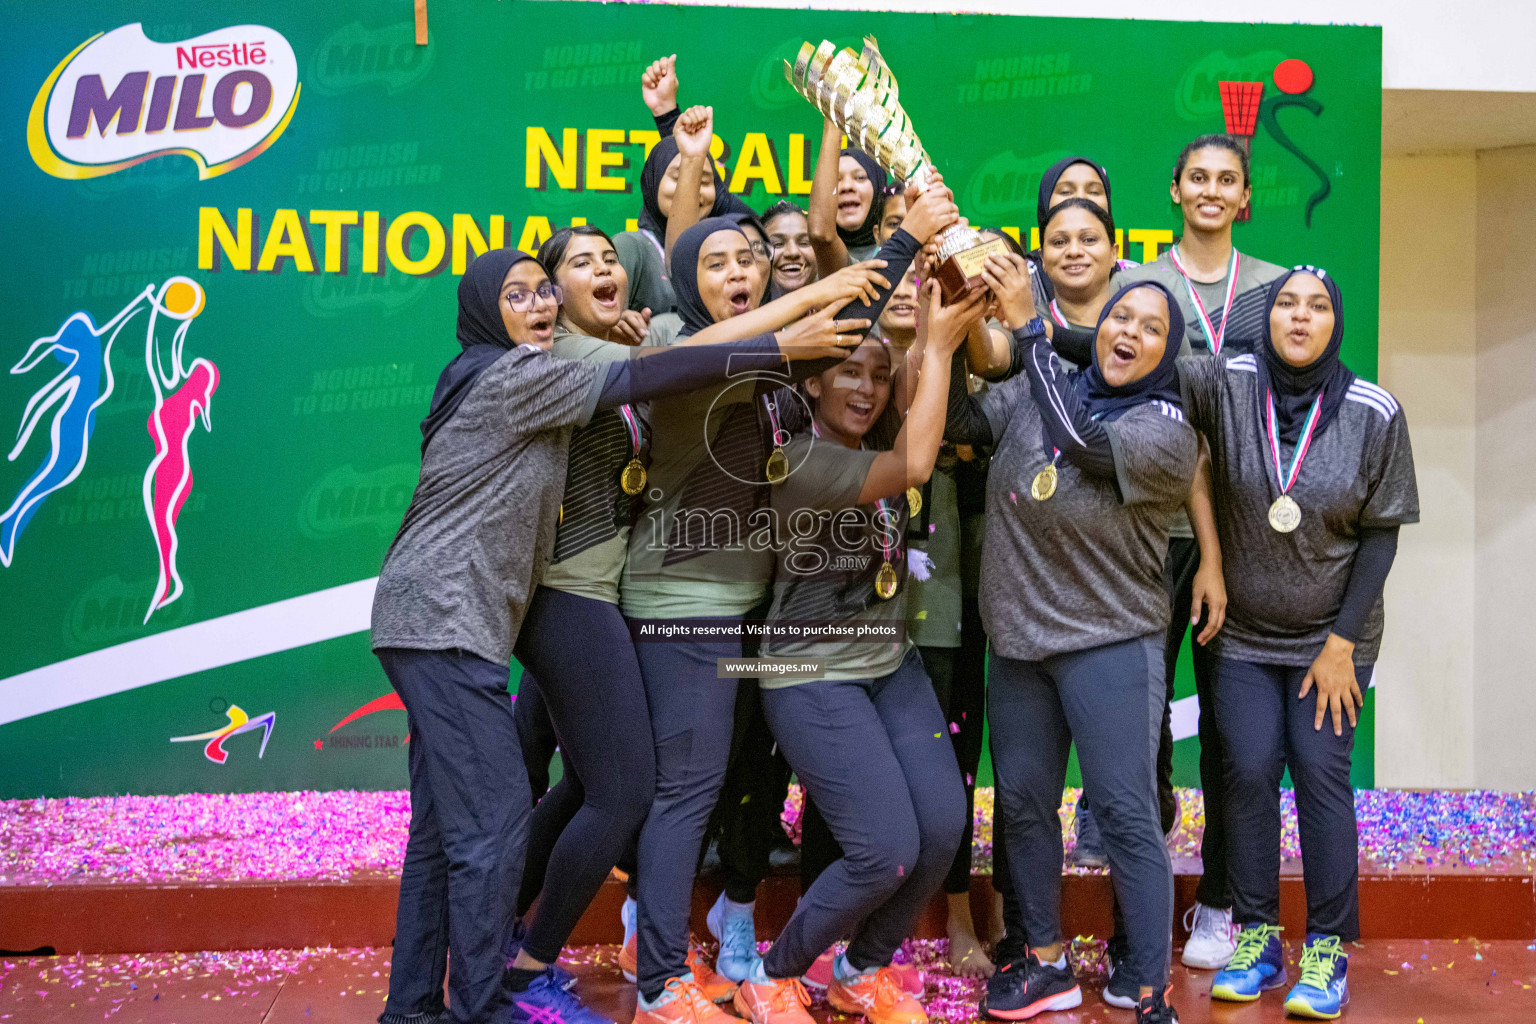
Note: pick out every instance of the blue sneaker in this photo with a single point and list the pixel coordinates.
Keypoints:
(1257, 966)
(564, 978)
(733, 927)
(545, 1002)
(1323, 991)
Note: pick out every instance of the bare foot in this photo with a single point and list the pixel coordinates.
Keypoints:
(966, 956)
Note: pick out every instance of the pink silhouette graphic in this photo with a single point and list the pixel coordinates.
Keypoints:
(168, 480)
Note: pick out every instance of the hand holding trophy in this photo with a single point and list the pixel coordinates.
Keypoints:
(858, 93)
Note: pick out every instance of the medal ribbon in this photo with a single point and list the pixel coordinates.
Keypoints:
(1212, 337)
(1056, 315)
(883, 505)
(1287, 478)
(632, 421)
(773, 421)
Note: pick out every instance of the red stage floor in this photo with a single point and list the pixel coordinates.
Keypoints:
(1438, 982)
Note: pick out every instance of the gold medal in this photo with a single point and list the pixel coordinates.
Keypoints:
(632, 480)
(914, 501)
(1284, 514)
(778, 466)
(1044, 484)
(885, 581)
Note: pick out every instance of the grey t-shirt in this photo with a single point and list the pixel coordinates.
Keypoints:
(649, 287)
(692, 552)
(825, 569)
(479, 529)
(1085, 567)
(595, 513)
(1249, 316)
(664, 331)
(1284, 590)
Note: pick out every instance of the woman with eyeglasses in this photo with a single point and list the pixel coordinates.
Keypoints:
(451, 601)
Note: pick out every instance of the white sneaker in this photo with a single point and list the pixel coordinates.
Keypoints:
(1212, 938)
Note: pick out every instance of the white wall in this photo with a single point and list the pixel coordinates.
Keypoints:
(1479, 45)
(1505, 709)
(1428, 359)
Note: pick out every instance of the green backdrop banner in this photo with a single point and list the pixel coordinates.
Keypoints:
(236, 232)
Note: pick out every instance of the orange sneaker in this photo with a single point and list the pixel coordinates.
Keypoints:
(687, 1005)
(715, 988)
(629, 958)
(781, 1001)
(878, 996)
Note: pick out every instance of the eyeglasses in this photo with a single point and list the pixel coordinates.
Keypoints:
(521, 299)
(761, 250)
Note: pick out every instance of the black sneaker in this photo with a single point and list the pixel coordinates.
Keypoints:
(1122, 990)
(1018, 991)
(1153, 1010)
(1010, 949)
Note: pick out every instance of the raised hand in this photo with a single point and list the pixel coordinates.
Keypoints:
(931, 212)
(694, 130)
(1007, 276)
(658, 86)
(820, 336)
(949, 325)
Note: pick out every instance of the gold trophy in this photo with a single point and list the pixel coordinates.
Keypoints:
(858, 92)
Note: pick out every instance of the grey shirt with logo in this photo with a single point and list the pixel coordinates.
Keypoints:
(1284, 590)
(481, 524)
(1085, 567)
(829, 552)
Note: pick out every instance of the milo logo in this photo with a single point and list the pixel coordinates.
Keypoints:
(353, 57)
(1198, 96)
(346, 499)
(770, 89)
(1006, 185)
(333, 295)
(112, 610)
(221, 99)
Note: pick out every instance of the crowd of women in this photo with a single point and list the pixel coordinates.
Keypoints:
(722, 419)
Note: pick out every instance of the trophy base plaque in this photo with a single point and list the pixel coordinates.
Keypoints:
(962, 254)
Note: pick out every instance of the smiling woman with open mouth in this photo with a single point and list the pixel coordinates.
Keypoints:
(1089, 470)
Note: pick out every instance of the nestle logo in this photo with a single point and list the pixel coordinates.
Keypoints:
(221, 55)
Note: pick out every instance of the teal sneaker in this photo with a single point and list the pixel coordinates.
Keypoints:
(1323, 991)
(1257, 966)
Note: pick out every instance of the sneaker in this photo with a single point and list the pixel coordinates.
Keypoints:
(1010, 949)
(1089, 851)
(733, 927)
(1019, 991)
(909, 978)
(878, 995)
(629, 956)
(681, 1002)
(564, 978)
(715, 988)
(1257, 966)
(1323, 991)
(820, 975)
(1154, 1009)
(1212, 938)
(545, 1002)
(1122, 990)
(772, 1001)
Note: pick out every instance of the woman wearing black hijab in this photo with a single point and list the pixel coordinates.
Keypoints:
(1313, 475)
(643, 252)
(846, 203)
(1088, 472)
(693, 557)
(450, 603)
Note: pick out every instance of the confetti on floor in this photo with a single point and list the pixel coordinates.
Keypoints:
(346, 834)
